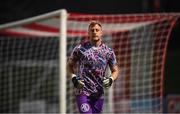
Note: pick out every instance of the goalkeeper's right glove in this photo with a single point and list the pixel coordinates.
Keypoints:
(77, 81)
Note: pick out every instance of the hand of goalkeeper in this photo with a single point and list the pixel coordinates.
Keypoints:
(77, 81)
(107, 81)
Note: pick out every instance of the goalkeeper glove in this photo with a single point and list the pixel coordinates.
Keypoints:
(77, 81)
(107, 81)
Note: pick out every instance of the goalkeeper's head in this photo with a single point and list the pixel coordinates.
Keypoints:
(93, 23)
(95, 32)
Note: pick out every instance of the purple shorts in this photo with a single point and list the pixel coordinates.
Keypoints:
(88, 105)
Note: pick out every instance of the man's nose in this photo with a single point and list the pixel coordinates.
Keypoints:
(94, 31)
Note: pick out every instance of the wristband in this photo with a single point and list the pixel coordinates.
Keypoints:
(112, 78)
(73, 75)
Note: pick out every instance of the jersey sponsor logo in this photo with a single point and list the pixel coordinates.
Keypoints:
(85, 107)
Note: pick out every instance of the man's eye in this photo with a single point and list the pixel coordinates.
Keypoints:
(96, 30)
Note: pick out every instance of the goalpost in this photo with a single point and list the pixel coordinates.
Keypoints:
(34, 52)
(14, 30)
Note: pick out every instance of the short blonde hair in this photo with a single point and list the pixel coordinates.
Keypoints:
(93, 23)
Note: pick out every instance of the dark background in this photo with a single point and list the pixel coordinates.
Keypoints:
(11, 10)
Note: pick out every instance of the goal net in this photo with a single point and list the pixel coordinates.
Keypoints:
(31, 77)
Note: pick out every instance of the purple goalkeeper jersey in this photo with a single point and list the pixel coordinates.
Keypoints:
(93, 62)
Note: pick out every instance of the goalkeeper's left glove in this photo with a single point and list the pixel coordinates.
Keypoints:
(107, 82)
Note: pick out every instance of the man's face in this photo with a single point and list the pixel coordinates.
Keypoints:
(95, 33)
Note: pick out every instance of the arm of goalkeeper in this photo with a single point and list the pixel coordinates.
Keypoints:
(77, 81)
(107, 81)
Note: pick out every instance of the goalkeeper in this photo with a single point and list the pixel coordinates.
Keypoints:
(93, 57)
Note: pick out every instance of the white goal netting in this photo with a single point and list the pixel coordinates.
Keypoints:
(29, 56)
